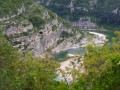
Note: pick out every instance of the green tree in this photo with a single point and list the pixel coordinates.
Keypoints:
(24, 72)
(37, 21)
(102, 67)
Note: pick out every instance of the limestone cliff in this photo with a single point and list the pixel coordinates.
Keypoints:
(39, 30)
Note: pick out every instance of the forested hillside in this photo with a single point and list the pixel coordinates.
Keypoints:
(105, 11)
(9, 7)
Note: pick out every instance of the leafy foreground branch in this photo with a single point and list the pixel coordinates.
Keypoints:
(102, 66)
(18, 72)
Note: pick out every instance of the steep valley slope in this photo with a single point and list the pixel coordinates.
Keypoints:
(32, 27)
(99, 11)
(29, 26)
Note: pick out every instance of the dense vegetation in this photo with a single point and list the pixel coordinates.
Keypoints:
(102, 66)
(37, 21)
(99, 9)
(25, 72)
(10, 6)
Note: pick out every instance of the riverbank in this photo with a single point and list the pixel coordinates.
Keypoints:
(101, 38)
(91, 37)
(67, 66)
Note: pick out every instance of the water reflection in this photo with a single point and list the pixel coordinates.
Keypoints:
(64, 54)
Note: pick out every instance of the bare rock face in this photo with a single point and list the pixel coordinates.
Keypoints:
(17, 30)
(71, 6)
(116, 11)
(85, 23)
(36, 42)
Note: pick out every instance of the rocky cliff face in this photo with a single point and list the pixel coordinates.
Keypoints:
(105, 11)
(38, 30)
